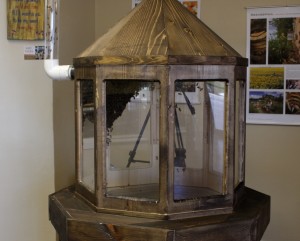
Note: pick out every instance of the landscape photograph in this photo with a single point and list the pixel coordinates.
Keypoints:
(267, 78)
(265, 102)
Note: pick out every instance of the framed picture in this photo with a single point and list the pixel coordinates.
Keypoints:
(273, 50)
(25, 19)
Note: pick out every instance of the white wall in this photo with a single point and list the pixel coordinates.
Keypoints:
(26, 143)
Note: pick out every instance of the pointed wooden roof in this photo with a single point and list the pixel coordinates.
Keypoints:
(159, 32)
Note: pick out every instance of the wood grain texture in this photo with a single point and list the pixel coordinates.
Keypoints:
(75, 221)
(159, 32)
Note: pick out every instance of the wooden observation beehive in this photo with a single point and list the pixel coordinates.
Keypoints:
(160, 121)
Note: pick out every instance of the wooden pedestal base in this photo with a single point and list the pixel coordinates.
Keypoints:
(74, 220)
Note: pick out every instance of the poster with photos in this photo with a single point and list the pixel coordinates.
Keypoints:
(192, 5)
(273, 51)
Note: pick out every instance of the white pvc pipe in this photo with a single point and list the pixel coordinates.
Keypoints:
(51, 62)
(56, 71)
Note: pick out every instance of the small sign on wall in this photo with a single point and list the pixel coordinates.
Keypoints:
(34, 52)
(25, 19)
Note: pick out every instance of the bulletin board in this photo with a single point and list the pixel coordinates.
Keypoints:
(273, 50)
(25, 19)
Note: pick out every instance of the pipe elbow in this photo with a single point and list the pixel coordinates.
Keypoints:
(58, 72)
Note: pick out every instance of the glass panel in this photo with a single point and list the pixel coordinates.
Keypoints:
(199, 139)
(132, 124)
(87, 119)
